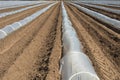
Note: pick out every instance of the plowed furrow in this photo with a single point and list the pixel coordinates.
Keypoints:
(103, 65)
(34, 51)
(19, 34)
(13, 9)
(111, 46)
(107, 13)
(112, 7)
(18, 16)
(53, 73)
(14, 48)
(33, 62)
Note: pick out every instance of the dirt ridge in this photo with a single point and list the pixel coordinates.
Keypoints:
(104, 67)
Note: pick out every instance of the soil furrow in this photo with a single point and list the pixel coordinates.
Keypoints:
(13, 9)
(107, 13)
(17, 35)
(105, 24)
(111, 47)
(105, 28)
(17, 48)
(33, 52)
(112, 7)
(32, 63)
(18, 16)
(104, 67)
(102, 30)
(55, 56)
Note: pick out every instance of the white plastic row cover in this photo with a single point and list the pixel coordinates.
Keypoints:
(20, 10)
(75, 65)
(113, 22)
(111, 3)
(103, 8)
(15, 4)
(10, 28)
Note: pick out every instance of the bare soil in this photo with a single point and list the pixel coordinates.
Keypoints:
(33, 52)
(112, 7)
(13, 9)
(105, 12)
(18, 16)
(96, 41)
(13, 45)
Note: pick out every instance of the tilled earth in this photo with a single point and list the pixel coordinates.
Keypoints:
(107, 13)
(14, 8)
(34, 51)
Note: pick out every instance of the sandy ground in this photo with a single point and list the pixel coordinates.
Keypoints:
(105, 12)
(112, 7)
(33, 52)
(13, 9)
(102, 49)
(53, 73)
(19, 16)
(29, 55)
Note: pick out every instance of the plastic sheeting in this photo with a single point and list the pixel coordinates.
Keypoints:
(75, 65)
(112, 3)
(2, 34)
(16, 25)
(113, 22)
(15, 4)
(8, 29)
(103, 8)
(20, 10)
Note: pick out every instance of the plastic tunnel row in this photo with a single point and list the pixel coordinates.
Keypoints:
(15, 4)
(20, 10)
(113, 22)
(99, 4)
(75, 65)
(108, 3)
(10, 28)
(103, 8)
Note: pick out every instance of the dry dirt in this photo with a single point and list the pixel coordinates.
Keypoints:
(100, 43)
(36, 45)
(33, 52)
(18, 16)
(13, 9)
(112, 7)
(105, 12)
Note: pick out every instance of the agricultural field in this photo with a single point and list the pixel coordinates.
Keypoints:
(59, 40)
